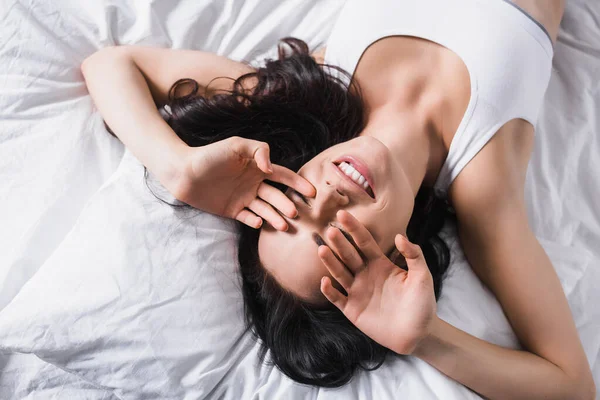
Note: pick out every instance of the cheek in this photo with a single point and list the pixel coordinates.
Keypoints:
(373, 220)
(401, 203)
(308, 170)
(387, 220)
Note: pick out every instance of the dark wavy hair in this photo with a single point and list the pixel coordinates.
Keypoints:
(299, 108)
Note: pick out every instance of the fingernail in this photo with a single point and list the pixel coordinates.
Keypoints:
(335, 226)
(407, 240)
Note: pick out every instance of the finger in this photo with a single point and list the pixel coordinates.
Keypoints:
(249, 218)
(268, 213)
(361, 236)
(339, 272)
(344, 250)
(415, 260)
(277, 199)
(263, 160)
(293, 180)
(332, 294)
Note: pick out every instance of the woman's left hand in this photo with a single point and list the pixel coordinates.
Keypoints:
(392, 306)
(227, 178)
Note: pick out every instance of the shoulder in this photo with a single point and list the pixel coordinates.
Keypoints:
(547, 12)
(492, 184)
(488, 197)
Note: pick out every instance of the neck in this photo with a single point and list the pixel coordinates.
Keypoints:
(403, 101)
(416, 147)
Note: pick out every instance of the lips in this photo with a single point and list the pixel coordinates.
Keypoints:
(357, 172)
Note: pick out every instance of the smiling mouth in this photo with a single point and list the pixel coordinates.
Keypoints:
(348, 169)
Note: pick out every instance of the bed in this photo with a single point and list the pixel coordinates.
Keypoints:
(107, 293)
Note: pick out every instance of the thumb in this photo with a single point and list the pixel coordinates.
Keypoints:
(255, 149)
(415, 260)
(262, 157)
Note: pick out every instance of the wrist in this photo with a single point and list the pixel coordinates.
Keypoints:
(176, 171)
(434, 332)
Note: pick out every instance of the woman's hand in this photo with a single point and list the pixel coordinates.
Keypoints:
(392, 306)
(227, 178)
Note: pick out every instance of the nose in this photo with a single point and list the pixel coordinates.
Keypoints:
(328, 200)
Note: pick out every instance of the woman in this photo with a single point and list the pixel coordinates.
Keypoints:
(448, 97)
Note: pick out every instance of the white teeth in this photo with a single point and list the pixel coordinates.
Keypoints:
(348, 168)
(350, 171)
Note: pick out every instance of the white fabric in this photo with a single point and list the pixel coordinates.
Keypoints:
(508, 57)
(107, 293)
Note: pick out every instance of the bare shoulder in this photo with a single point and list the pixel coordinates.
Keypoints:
(488, 197)
(495, 177)
(547, 12)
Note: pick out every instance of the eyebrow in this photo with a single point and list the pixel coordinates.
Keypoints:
(321, 242)
(346, 235)
(318, 239)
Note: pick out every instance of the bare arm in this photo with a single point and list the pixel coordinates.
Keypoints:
(127, 83)
(225, 178)
(489, 201)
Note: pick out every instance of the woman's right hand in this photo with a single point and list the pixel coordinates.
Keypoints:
(394, 307)
(227, 178)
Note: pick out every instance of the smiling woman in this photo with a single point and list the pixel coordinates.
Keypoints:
(438, 107)
(310, 339)
(385, 213)
(311, 122)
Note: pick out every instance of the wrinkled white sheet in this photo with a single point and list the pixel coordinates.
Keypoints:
(127, 298)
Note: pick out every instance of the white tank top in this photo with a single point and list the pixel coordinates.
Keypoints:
(507, 53)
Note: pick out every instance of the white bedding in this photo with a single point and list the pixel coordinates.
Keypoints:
(106, 293)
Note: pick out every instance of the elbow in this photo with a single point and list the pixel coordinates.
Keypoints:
(101, 59)
(583, 389)
(590, 391)
(588, 386)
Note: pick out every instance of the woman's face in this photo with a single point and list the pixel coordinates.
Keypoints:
(384, 208)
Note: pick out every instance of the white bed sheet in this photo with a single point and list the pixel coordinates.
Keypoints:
(55, 156)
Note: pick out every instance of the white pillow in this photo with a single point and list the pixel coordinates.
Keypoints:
(24, 376)
(140, 296)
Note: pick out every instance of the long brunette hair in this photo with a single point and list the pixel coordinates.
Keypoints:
(299, 108)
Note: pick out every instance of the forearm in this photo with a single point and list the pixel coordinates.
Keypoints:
(493, 371)
(123, 98)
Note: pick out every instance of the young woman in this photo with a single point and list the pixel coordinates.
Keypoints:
(442, 97)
